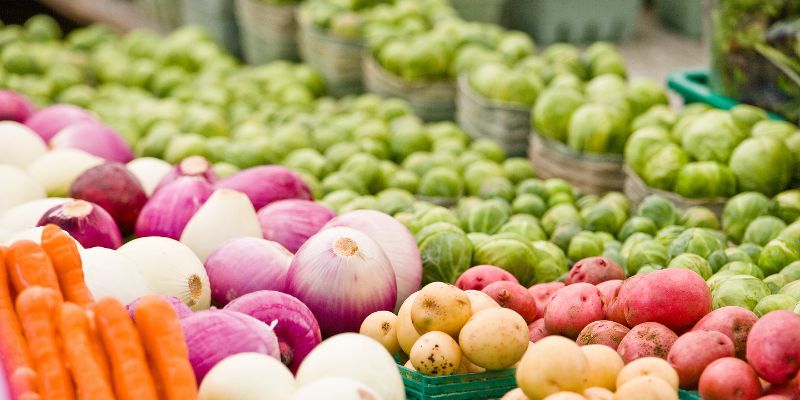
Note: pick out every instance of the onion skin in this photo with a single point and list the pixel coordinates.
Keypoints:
(111, 186)
(191, 166)
(343, 276)
(297, 330)
(292, 222)
(94, 138)
(266, 184)
(86, 222)
(213, 335)
(15, 107)
(170, 209)
(48, 121)
(182, 309)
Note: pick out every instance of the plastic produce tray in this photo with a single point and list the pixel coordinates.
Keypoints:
(688, 395)
(477, 386)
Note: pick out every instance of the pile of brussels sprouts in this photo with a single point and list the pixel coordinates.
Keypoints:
(343, 19)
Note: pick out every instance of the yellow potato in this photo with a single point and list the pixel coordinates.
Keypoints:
(440, 307)
(565, 396)
(469, 366)
(598, 393)
(480, 301)
(515, 394)
(406, 334)
(646, 388)
(382, 326)
(553, 364)
(604, 365)
(409, 365)
(436, 353)
(494, 339)
(649, 366)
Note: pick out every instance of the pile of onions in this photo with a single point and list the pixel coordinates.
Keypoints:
(182, 309)
(292, 222)
(109, 273)
(15, 107)
(28, 214)
(87, 222)
(294, 324)
(396, 241)
(191, 166)
(266, 184)
(245, 265)
(170, 209)
(19, 187)
(94, 138)
(57, 169)
(111, 186)
(48, 121)
(342, 276)
(21, 145)
(149, 171)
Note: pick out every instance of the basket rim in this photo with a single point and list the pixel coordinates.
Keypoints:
(372, 64)
(466, 88)
(672, 196)
(309, 28)
(563, 148)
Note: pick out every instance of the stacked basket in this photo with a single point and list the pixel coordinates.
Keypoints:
(217, 16)
(268, 31)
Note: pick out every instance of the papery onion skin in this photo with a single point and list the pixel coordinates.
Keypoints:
(170, 209)
(15, 107)
(297, 329)
(19, 187)
(342, 276)
(182, 309)
(109, 273)
(48, 121)
(111, 186)
(191, 166)
(291, 222)
(94, 138)
(266, 184)
(245, 265)
(212, 335)
(149, 171)
(21, 145)
(88, 223)
(28, 214)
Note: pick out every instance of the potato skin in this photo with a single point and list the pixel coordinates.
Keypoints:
(694, 351)
(604, 366)
(649, 339)
(773, 346)
(648, 366)
(608, 292)
(494, 339)
(480, 301)
(513, 296)
(597, 393)
(480, 276)
(674, 297)
(565, 396)
(537, 330)
(515, 394)
(407, 335)
(733, 322)
(382, 326)
(604, 332)
(572, 308)
(594, 270)
(646, 388)
(552, 364)
(436, 353)
(729, 378)
(543, 292)
(440, 307)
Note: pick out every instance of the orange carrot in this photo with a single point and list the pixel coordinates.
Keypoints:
(161, 333)
(131, 376)
(28, 265)
(90, 381)
(63, 253)
(13, 348)
(96, 345)
(23, 384)
(37, 308)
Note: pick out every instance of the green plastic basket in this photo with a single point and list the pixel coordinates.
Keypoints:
(688, 395)
(477, 386)
(685, 16)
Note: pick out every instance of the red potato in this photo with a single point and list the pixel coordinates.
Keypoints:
(649, 339)
(595, 270)
(514, 297)
(615, 308)
(674, 297)
(789, 390)
(608, 292)
(732, 321)
(775, 397)
(480, 276)
(729, 378)
(572, 308)
(604, 332)
(543, 292)
(537, 330)
(694, 351)
(773, 346)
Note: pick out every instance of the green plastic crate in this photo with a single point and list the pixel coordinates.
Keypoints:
(685, 16)
(477, 386)
(688, 395)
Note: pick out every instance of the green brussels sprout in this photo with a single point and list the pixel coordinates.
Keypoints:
(619, 199)
(713, 136)
(446, 252)
(763, 229)
(745, 116)
(657, 116)
(529, 204)
(646, 269)
(339, 153)
(359, 203)
(344, 180)
(614, 253)
(183, 146)
(604, 217)
(510, 252)
(743, 268)
(762, 164)
(463, 208)
(489, 149)
(528, 229)
(468, 158)
(583, 245)
(326, 137)
(516, 45)
(700, 241)
(659, 210)
(741, 210)
(477, 238)
(497, 188)
(777, 254)
(633, 241)
(557, 185)
(718, 278)
(487, 217)
(606, 237)
(588, 201)
(391, 201)
(551, 263)
(566, 80)
(791, 233)
(606, 88)
(375, 148)
(441, 182)
(739, 290)
(42, 28)
(408, 137)
(753, 250)
(225, 170)
(552, 112)
(791, 289)
(518, 169)
(419, 162)
(452, 146)
(780, 130)
(705, 180)
(776, 281)
(737, 254)
(306, 160)
(432, 214)
(338, 198)
(155, 142)
(405, 180)
(699, 217)
(775, 302)
(643, 94)
(313, 183)
(561, 214)
(637, 224)
(788, 205)
(560, 198)
(562, 236)
(386, 170)
(648, 252)
(792, 271)
(533, 186)
(642, 145)
(662, 169)
(480, 171)
(693, 262)
(590, 129)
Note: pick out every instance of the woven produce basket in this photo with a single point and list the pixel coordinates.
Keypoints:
(507, 124)
(636, 190)
(268, 31)
(217, 16)
(167, 13)
(489, 11)
(591, 173)
(431, 101)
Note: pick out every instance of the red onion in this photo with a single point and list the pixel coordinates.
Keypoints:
(245, 265)
(190, 166)
(48, 121)
(86, 222)
(266, 184)
(396, 241)
(292, 222)
(15, 106)
(297, 329)
(94, 138)
(213, 335)
(342, 276)
(182, 309)
(111, 186)
(171, 208)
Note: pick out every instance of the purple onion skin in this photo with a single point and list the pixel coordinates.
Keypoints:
(111, 186)
(50, 120)
(292, 222)
(181, 169)
(171, 208)
(15, 107)
(297, 329)
(213, 335)
(245, 265)
(97, 229)
(267, 184)
(182, 309)
(95, 138)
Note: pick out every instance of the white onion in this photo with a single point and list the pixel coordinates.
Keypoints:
(18, 187)
(227, 214)
(27, 214)
(21, 145)
(248, 376)
(354, 356)
(57, 169)
(110, 274)
(336, 388)
(172, 269)
(149, 171)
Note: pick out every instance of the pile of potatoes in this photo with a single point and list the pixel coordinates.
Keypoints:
(446, 331)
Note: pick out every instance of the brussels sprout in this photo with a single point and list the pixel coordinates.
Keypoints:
(643, 94)
(510, 252)
(469, 158)
(659, 115)
(642, 145)
(693, 262)
(419, 162)
(486, 217)
(566, 80)
(705, 180)
(606, 237)
(477, 238)
(552, 112)
(434, 214)
(560, 198)
(518, 169)
(745, 116)
(776, 281)
(183, 146)
(763, 229)
(489, 149)
(343, 180)
(561, 214)
(791, 233)
(529, 204)
(583, 245)
(737, 254)
(533, 186)
(662, 168)
(563, 235)
(336, 199)
(405, 180)
(718, 278)
(551, 263)
(777, 254)
(587, 201)
(463, 208)
(743, 268)
(637, 224)
(497, 188)
(590, 129)
(614, 253)
(762, 164)
(557, 185)
(659, 210)
(392, 201)
(363, 165)
(699, 217)
(780, 130)
(478, 172)
(788, 205)
(646, 253)
(792, 271)
(791, 289)
(528, 229)
(441, 182)
(408, 137)
(446, 252)
(739, 290)
(619, 199)
(741, 210)
(646, 269)
(606, 88)
(713, 136)
(775, 302)
(359, 203)
(700, 241)
(633, 241)
(604, 217)
(339, 153)
(225, 170)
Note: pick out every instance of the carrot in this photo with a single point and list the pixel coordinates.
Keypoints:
(28, 265)
(161, 333)
(13, 348)
(96, 345)
(90, 381)
(63, 253)
(23, 384)
(37, 308)
(131, 376)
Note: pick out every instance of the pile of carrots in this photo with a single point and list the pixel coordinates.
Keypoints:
(57, 343)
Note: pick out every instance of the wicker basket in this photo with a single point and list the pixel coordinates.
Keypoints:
(636, 190)
(431, 101)
(591, 173)
(217, 16)
(268, 31)
(489, 11)
(167, 13)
